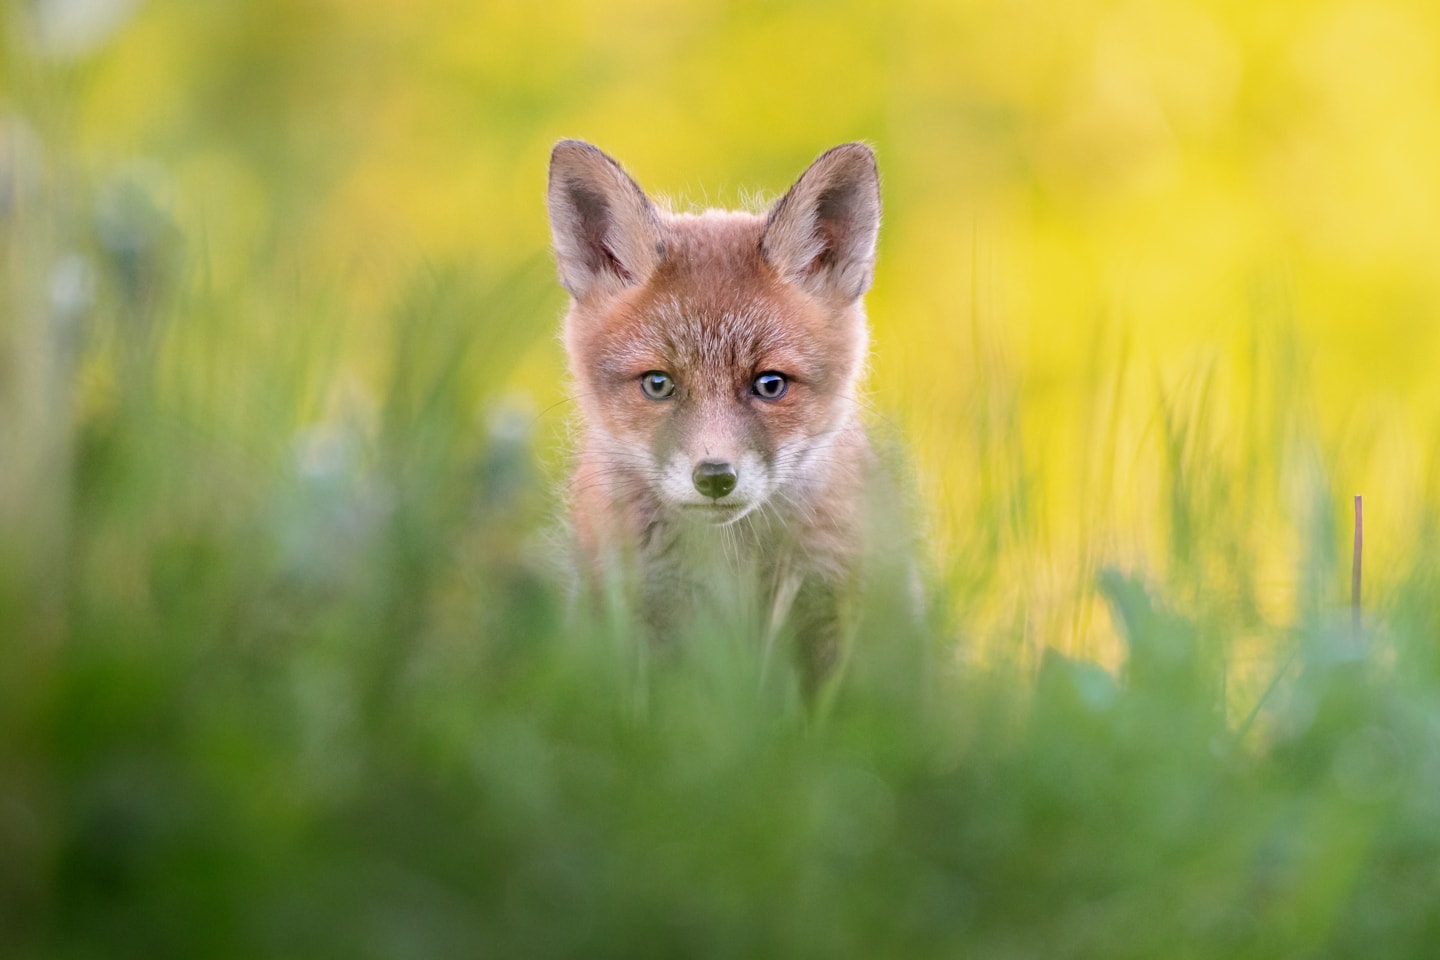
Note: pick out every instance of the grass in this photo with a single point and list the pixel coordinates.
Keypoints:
(292, 675)
(289, 666)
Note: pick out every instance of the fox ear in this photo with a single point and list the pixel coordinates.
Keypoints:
(606, 231)
(821, 235)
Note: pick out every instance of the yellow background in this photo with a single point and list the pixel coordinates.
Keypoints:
(1159, 282)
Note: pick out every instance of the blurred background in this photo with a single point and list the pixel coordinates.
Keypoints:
(1101, 218)
(1126, 245)
(1158, 293)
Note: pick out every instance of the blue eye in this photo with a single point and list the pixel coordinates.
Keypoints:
(770, 385)
(657, 385)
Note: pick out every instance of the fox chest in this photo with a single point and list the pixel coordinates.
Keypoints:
(718, 576)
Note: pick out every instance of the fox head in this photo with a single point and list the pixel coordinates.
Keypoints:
(716, 356)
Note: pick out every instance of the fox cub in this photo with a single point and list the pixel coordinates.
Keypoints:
(716, 359)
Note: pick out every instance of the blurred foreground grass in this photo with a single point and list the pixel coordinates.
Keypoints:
(287, 666)
(284, 685)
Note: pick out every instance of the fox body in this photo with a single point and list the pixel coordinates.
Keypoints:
(716, 359)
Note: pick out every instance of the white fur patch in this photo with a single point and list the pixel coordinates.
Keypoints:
(752, 487)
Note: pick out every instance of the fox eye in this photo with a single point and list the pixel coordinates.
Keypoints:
(657, 385)
(770, 385)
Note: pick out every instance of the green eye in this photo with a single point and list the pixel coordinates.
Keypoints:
(657, 385)
(770, 385)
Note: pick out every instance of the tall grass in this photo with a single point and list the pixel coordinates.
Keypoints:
(289, 662)
(290, 670)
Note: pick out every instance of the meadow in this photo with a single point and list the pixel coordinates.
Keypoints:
(288, 662)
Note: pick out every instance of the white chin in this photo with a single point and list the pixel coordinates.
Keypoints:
(720, 513)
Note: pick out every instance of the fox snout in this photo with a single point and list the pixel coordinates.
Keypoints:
(714, 478)
(708, 480)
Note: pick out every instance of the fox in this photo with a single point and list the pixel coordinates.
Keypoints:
(716, 360)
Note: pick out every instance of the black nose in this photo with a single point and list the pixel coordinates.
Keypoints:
(714, 479)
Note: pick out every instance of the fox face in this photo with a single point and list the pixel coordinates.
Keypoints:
(716, 357)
